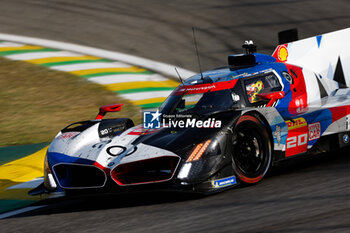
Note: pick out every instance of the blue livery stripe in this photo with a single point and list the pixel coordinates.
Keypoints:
(55, 158)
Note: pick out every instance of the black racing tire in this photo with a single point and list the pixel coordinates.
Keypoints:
(251, 150)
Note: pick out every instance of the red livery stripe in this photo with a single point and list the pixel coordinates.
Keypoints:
(203, 88)
(105, 169)
(298, 103)
(339, 112)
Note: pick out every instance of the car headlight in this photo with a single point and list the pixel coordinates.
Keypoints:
(49, 181)
(195, 155)
(198, 151)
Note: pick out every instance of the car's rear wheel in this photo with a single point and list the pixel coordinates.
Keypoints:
(251, 151)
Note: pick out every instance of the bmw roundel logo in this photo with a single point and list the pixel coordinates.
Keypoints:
(346, 138)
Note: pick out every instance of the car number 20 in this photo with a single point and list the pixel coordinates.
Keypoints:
(297, 140)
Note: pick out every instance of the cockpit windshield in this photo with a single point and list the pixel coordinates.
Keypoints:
(201, 100)
(211, 97)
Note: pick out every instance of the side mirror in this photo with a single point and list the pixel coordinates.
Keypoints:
(272, 96)
(108, 108)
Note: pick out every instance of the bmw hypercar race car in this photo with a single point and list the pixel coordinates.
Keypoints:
(217, 129)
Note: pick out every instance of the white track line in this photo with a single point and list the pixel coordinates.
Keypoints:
(10, 44)
(90, 65)
(37, 55)
(138, 61)
(124, 78)
(20, 211)
(146, 95)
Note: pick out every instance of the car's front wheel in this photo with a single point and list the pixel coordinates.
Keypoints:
(251, 151)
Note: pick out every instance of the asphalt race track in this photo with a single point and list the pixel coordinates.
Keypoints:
(309, 195)
(161, 30)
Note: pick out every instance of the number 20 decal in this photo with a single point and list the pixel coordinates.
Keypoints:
(297, 140)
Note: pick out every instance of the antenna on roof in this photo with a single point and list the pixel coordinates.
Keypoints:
(179, 75)
(195, 45)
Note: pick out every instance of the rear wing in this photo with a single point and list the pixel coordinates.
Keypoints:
(327, 55)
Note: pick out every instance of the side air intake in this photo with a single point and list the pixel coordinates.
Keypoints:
(79, 176)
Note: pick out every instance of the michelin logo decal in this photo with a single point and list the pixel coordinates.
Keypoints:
(224, 182)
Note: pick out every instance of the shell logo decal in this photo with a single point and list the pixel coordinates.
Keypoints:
(282, 53)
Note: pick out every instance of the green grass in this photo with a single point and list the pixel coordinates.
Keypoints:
(37, 102)
(11, 153)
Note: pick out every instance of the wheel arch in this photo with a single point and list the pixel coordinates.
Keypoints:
(255, 120)
(266, 124)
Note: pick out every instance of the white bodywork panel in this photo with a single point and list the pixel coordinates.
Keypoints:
(88, 145)
(320, 54)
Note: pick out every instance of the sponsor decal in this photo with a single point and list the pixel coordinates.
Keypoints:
(277, 134)
(282, 53)
(203, 88)
(197, 89)
(67, 135)
(296, 123)
(239, 75)
(314, 131)
(235, 97)
(224, 182)
(347, 123)
(297, 138)
(105, 131)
